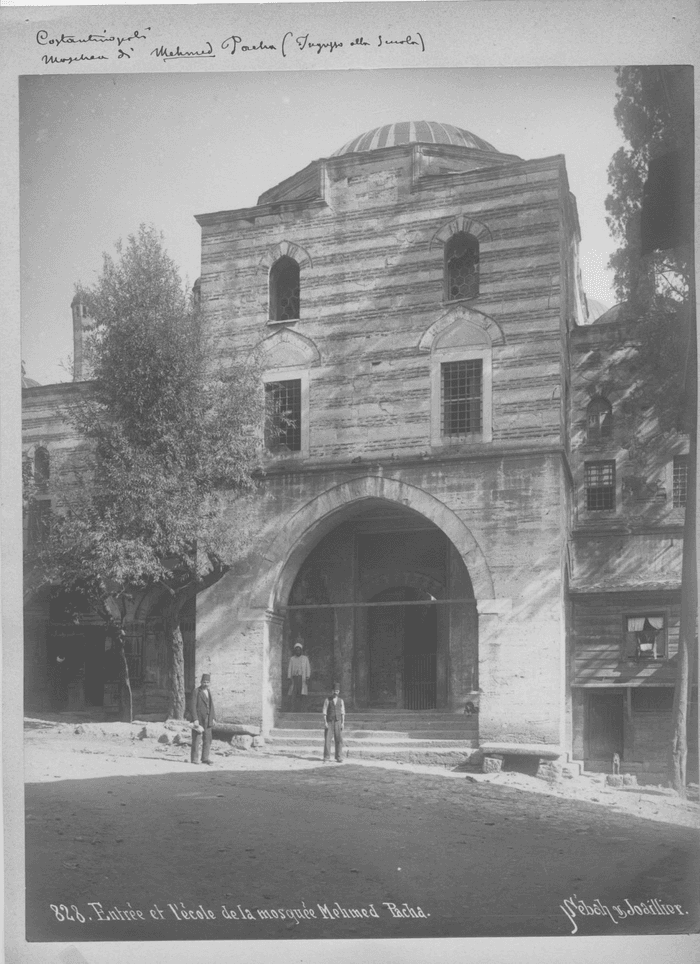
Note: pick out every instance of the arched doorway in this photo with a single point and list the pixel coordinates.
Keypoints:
(384, 604)
(402, 638)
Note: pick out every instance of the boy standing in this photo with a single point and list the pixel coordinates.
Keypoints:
(334, 721)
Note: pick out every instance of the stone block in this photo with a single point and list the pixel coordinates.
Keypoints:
(629, 780)
(614, 780)
(492, 764)
(225, 731)
(243, 742)
(550, 770)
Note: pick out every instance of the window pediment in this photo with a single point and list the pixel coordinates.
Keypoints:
(288, 349)
(461, 327)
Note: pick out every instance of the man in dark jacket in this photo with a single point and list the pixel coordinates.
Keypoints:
(202, 711)
(334, 720)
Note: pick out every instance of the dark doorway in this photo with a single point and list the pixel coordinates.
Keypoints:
(94, 650)
(604, 729)
(420, 658)
(76, 657)
(402, 651)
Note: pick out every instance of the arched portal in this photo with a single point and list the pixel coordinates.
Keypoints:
(384, 604)
(299, 534)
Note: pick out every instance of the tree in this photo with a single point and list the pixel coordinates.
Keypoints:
(170, 443)
(651, 180)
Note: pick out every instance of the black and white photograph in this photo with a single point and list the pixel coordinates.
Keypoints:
(354, 570)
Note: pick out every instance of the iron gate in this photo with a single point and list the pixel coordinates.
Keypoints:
(419, 681)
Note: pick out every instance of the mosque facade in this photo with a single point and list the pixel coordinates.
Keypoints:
(457, 517)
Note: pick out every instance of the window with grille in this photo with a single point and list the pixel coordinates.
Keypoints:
(680, 481)
(599, 419)
(133, 651)
(600, 485)
(283, 415)
(284, 290)
(462, 397)
(645, 637)
(461, 267)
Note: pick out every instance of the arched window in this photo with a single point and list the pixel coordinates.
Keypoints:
(41, 467)
(599, 419)
(284, 290)
(461, 267)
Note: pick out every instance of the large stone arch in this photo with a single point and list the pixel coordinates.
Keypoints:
(306, 527)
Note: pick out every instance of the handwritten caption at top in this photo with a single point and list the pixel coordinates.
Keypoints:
(102, 45)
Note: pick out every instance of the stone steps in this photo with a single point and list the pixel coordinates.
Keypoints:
(451, 757)
(373, 738)
(431, 737)
(400, 721)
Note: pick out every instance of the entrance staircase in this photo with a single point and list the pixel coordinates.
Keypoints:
(403, 736)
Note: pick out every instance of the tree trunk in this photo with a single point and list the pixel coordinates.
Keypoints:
(176, 665)
(689, 591)
(126, 706)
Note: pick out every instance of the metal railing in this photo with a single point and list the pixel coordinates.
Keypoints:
(419, 682)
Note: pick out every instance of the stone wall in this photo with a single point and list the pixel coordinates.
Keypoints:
(372, 285)
(514, 565)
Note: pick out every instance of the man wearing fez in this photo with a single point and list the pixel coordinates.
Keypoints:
(298, 674)
(334, 721)
(202, 720)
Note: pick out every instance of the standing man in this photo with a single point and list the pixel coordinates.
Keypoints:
(298, 675)
(202, 720)
(334, 721)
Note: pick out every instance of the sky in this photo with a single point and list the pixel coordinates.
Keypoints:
(101, 154)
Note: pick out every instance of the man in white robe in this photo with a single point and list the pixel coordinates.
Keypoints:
(298, 675)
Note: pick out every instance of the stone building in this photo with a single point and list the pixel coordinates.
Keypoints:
(442, 527)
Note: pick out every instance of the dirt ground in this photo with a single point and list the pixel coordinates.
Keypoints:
(123, 832)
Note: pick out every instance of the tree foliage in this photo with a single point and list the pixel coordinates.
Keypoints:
(654, 113)
(645, 117)
(170, 442)
(654, 287)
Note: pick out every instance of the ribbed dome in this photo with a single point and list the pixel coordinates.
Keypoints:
(412, 132)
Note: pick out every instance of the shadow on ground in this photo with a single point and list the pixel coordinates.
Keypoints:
(259, 854)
